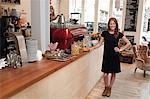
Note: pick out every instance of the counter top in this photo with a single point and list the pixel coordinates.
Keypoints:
(14, 80)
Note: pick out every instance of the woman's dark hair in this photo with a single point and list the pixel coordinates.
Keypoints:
(116, 29)
(52, 10)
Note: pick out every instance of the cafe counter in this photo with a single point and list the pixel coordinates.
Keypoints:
(49, 79)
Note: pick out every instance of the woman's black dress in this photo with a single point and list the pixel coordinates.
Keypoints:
(111, 61)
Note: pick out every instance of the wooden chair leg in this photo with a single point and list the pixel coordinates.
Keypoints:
(144, 73)
(135, 69)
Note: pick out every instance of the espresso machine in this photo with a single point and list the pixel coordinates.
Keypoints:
(66, 36)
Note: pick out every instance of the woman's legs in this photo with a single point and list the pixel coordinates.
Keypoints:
(107, 90)
(112, 79)
(106, 79)
(106, 84)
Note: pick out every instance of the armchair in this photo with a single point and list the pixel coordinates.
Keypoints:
(142, 60)
(126, 56)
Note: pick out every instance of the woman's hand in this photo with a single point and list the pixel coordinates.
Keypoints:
(116, 49)
(124, 47)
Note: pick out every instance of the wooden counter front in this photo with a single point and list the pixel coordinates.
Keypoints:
(15, 80)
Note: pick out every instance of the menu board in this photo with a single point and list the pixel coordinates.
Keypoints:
(131, 15)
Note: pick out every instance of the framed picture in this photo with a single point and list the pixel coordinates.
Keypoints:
(10, 1)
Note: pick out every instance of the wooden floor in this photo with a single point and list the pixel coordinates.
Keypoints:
(127, 85)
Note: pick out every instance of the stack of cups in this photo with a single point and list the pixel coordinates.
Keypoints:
(31, 50)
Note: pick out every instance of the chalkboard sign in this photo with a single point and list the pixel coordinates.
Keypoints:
(131, 15)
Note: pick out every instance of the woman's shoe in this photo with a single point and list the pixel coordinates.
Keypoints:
(105, 91)
(108, 92)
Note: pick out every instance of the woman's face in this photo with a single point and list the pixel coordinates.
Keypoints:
(51, 10)
(112, 25)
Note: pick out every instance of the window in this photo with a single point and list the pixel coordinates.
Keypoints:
(75, 6)
(118, 11)
(75, 10)
(89, 15)
(103, 15)
(89, 11)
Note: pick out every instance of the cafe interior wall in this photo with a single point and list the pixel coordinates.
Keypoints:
(64, 4)
(61, 7)
(139, 26)
(24, 5)
(55, 4)
(40, 19)
(38, 15)
(64, 8)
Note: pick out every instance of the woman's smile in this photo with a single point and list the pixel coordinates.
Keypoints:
(112, 25)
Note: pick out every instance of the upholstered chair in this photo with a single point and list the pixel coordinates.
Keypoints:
(126, 56)
(142, 60)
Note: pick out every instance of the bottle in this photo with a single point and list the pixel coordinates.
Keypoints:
(62, 20)
(28, 30)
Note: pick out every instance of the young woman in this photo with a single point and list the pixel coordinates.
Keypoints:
(111, 62)
(52, 14)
